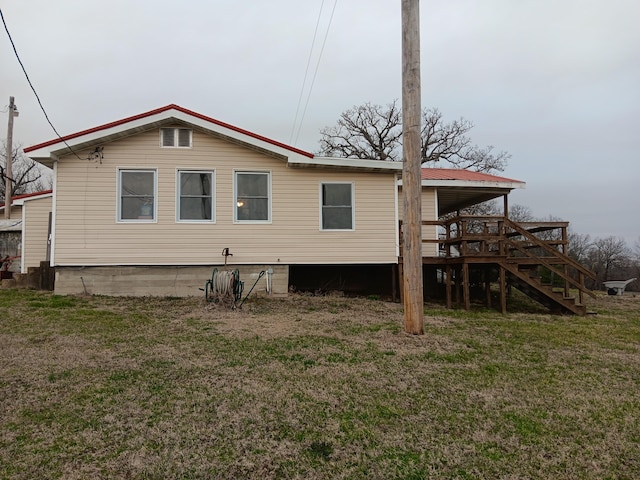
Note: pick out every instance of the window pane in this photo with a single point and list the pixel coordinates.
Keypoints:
(252, 196)
(184, 137)
(253, 208)
(195, 183)
(195, 208)
(337, 211)
(137, 208)
(253, 184)
(167, 137)
(137, 183)
(336, 218)
(336, 194)
(137, 192)
(196, 197)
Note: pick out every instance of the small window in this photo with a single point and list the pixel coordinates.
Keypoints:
(137, 195)
(195, 196)
(175, 137)
(252, 197)
(337, 206)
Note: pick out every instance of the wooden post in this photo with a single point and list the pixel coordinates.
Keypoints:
(466, 294)
(487, 285)
(411, 173)
(9, 160)
(505, 212)
(448, 286)
(503, 290)
(563, 249)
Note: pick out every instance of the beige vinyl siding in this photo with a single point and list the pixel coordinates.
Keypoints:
(429, 212)
(16, 212)
(36, 230)
(87, 231)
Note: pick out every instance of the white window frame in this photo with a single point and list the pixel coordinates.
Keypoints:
(353, 206)
(176, 137)
(179, 173)
(154, 218)
(235, 195)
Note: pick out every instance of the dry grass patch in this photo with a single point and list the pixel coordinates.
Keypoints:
(314, 387)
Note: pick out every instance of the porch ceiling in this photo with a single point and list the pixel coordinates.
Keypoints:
(451, 199)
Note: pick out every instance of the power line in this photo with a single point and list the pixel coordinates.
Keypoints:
(306, 72)
(315, 73)
(15, 51)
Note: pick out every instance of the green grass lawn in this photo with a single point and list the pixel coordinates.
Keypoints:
(314, 387)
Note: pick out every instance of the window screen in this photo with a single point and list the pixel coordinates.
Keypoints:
(252, 196)
(137, 195)
(195, 196)
(337, 208)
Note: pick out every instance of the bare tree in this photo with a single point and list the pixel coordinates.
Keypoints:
(365, 131)
(375, 132)
(27, 174)
(580, 246)
(450, 142)
(521, 213)
(608, 256)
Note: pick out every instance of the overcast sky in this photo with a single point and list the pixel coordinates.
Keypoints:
(556, 83)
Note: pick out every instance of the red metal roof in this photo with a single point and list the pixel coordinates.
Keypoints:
(28, 195)
(460, 174)
(161, 110)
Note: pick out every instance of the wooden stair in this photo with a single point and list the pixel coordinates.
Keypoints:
(531, 286)
(528, 254)
(523, 253)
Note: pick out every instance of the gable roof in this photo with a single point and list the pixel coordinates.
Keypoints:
(48, 152)
(20, 199)
(159, 116)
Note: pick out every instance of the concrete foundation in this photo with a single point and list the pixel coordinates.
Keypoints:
(163, 281)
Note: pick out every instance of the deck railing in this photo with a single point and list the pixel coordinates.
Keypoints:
(489, 238)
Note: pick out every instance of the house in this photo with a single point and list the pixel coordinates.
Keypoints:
(150, 204)
(24, 237)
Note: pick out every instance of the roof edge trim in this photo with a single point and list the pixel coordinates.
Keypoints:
(157, 111)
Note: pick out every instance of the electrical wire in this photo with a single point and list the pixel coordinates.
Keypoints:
(306, 72)
(313, 81)
(15, 51)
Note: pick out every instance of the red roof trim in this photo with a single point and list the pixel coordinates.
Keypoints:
(161, 110)
(28, 195)
(461, 174)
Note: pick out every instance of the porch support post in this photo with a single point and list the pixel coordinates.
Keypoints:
(448, 286)
(465, 286)
(487, 285)
(503, 290)
(505, 198)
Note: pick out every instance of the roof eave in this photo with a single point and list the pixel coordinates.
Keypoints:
(87, 138)
(345, 164)
(473, 184)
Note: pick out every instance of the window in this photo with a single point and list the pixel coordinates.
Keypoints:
(195, 196)
(137, 195)
(175, 137)
(337, 206)
(252, 194)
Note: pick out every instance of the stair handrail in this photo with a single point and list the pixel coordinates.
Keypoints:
(564, 258)
(553, 251)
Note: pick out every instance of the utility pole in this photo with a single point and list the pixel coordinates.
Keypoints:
(411, 177)
(13, 112)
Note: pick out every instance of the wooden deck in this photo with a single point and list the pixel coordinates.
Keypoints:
(482, 254)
